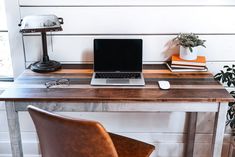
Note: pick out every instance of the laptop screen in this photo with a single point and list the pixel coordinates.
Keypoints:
(122, 55)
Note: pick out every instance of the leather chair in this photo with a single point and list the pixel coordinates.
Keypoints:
(61, 136)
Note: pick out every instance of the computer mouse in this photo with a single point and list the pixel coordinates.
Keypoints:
(164, 84)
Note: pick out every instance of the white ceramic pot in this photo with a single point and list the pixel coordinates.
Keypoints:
(186, 54)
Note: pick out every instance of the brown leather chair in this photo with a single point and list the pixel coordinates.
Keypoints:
(61, 136)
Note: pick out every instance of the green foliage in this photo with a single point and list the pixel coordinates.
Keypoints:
(227, 76)
(189, 40)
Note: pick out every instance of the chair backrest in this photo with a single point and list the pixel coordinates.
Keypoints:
(61, 136)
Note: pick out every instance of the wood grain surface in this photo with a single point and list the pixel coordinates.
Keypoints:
(185, 87)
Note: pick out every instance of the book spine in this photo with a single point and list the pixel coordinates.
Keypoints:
(188, 63)
(187, 66)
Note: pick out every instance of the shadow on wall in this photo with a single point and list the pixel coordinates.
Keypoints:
(170, 48)
(87, 55)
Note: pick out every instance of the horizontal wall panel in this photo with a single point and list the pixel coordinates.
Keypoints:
(124, 122)
(80, 48)
(128, 122)
(172, 137)
(32, 136)
(155, 48)
(215, 67)
(4, 85)
(146, 137)
(28, 148)
(3, 25)
(5, 147)
(162, 149)
(4, 136)
(127, 2)
(131, 122)
(25, 155)
(3, 121)
(138, 20)
(33, 48)
(143, 136)
(2, 105)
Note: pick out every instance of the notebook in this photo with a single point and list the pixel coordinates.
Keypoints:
(117, 62)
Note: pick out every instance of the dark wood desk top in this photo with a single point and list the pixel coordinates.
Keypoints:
(185, 87)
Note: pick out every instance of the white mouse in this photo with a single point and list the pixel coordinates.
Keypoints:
(164, 84)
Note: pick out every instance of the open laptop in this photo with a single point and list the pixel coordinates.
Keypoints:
(118, 62)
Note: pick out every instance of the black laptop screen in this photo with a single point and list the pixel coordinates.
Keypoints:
(118, 55)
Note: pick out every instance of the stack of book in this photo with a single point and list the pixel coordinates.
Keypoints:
(179, 65)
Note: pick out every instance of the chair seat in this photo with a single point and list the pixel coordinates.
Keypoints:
(127, 147)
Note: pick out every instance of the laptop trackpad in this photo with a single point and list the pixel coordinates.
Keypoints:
(118, 81)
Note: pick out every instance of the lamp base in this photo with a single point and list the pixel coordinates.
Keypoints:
(42, 67)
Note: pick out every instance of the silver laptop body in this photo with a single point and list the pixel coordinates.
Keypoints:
(118, 62)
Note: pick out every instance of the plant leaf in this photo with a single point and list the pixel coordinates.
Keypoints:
(218, 76)
(190, 48)
(228, 77)
(229, 69)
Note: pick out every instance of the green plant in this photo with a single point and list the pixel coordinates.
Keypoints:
(189, 40)
(227, 77)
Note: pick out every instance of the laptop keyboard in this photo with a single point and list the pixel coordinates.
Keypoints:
(118, 75)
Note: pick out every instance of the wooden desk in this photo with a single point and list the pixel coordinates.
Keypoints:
(190, 92)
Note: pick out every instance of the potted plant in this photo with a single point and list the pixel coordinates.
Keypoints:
(227, 77)
(188, 43)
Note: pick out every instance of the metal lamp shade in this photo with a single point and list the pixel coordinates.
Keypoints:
(40, 23)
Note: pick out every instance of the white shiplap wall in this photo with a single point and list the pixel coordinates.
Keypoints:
(156, 22)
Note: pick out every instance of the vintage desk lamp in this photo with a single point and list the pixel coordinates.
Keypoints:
(43, 24)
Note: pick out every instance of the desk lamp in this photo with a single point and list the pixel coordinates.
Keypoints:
(43, 24)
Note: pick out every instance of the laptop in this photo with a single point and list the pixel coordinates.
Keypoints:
(118, 62)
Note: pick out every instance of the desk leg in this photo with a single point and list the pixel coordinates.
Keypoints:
(191, 134)
(14, 129)
(219, 127)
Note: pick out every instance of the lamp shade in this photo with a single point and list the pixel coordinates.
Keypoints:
(40, 23)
